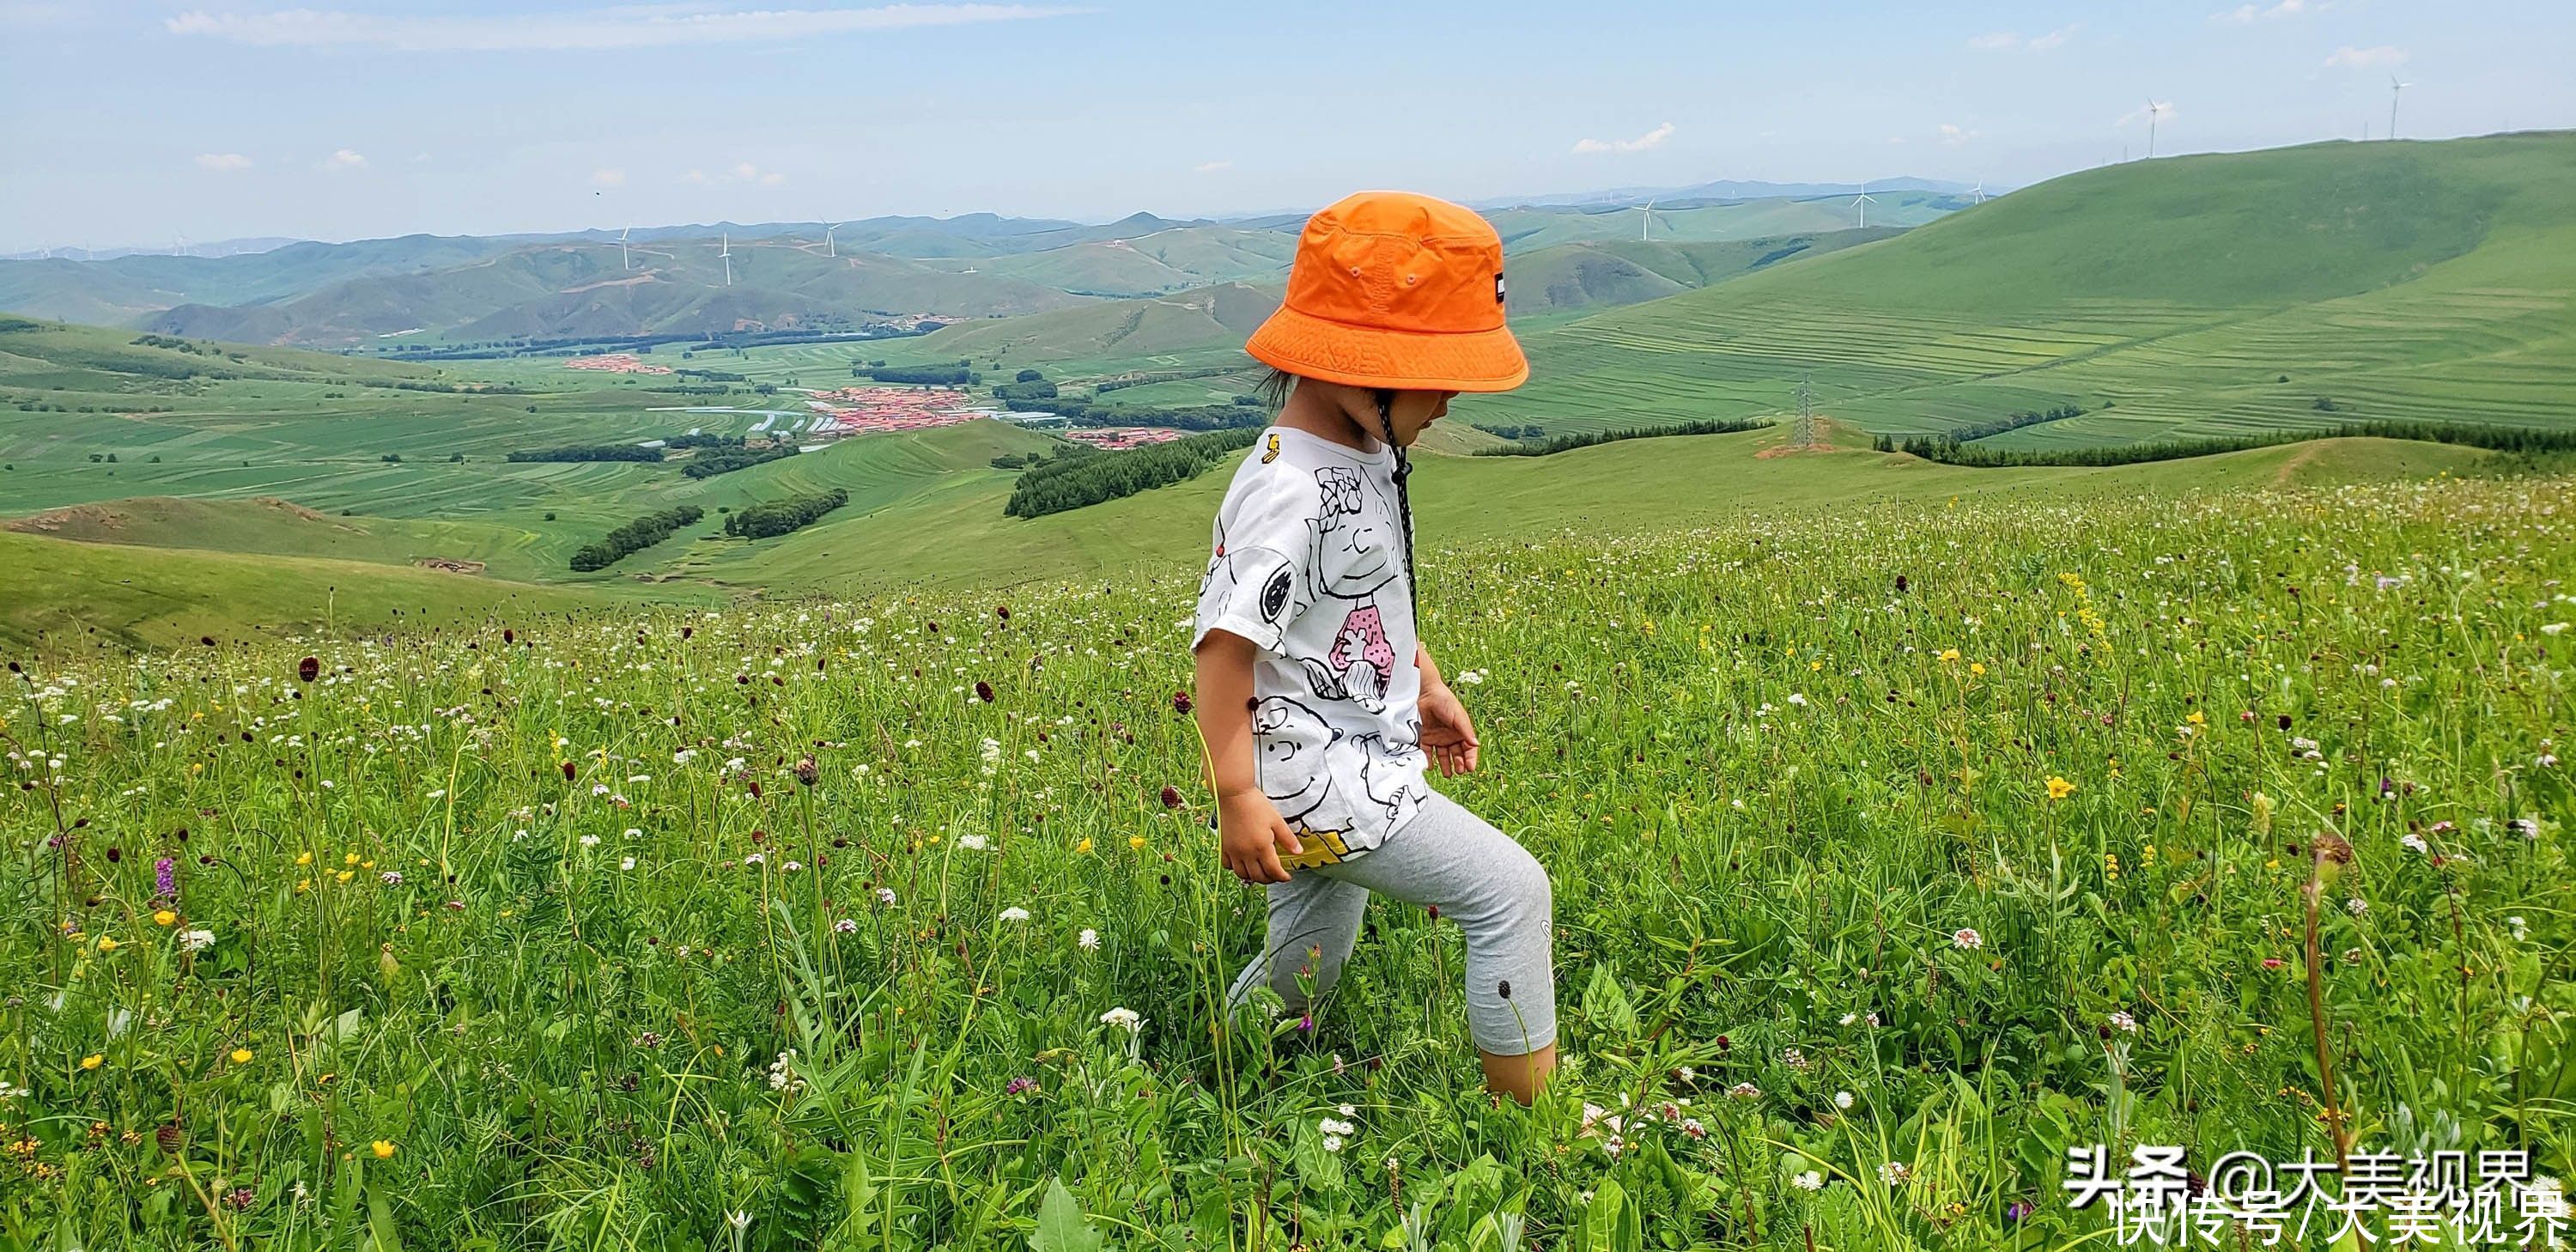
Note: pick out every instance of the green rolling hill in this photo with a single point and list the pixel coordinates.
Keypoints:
(2197, 295)
(675, 286)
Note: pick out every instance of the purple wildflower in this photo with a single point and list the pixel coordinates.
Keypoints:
(165, 879)
(1020, 1086)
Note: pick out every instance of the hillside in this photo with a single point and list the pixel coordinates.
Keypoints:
(576, 289)
(125, 289)
(2204, 294)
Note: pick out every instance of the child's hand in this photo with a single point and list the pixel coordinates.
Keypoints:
(1251, 835)
(1447, 732)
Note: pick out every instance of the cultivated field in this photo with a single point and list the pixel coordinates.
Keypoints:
(1896, 850)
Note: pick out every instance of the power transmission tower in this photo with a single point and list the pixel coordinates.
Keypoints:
(1802, 433)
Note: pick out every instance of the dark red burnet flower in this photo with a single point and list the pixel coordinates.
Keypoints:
(984, 691)
(568, 771)
(309, 668)
(1171, 796)
(1181, 702)
(1002, 611)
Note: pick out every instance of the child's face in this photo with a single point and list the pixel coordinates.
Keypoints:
(1415, 410)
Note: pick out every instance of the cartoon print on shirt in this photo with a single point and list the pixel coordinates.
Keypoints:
(1306, 770)
(1273, 572)
(1354, 547)
(1387, 774)
(1360, 665)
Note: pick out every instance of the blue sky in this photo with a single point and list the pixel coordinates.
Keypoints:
(130, 121)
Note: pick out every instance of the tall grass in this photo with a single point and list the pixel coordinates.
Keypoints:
(1894, 851)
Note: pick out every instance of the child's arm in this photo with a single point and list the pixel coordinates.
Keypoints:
(1447, 732)
(1250, 832)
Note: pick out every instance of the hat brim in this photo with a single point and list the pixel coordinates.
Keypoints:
(1361, 356)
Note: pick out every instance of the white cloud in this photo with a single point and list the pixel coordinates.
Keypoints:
(742, 172)
(2246, 14)
(1650, 139)
(696, 178)
(1955, 135)
(2382, 57)
(224, 162)
(582, 29)
(344, 159)
(1210, 167)
(772, 180)
(2011, 41)
(607, 178)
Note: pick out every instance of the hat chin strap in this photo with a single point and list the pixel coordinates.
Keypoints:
(1403, 501)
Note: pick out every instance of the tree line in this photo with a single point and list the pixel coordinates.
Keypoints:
(590, 452)
(634, 537)
(710, 464)
(1236, 416)
(1949, 451)
(1586, 439)
(1074, 481)
(778, 517)
(1985, 430)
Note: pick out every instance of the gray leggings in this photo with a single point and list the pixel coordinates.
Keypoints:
(1446, 856)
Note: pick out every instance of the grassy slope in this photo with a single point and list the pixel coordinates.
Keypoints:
(2417, 280)
(59, 595)
(1629, 486)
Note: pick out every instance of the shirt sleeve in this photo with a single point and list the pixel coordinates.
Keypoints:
(1258, 579)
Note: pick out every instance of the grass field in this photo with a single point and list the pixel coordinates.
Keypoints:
(1897, 847)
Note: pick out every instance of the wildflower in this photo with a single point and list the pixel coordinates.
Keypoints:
(164, 917)
(845, 926)
(626, 863)
(885, 896)
(1083, 847)
(1021, 1086)
(1849, 1018)
(1794, 1058)
(165, 880)
(792, 866)
(755, 859)
(1809, 1181)
(390, 878)
(241, 1056)
(2059, 788)
(739, 1220)
(1088, 940)
(1842, 1099)
(2121, 1021)
(1135, 843)
(2414, 842)
(590, 841)
(1015, 914)
(782, 1073)
(1895, 1173)
(2356, 906)
(1745, 1091)
(304, 858)
(1968, 940)
(1949, 654)
(1125, 1018)
(93, 1060)
(106, 943)
(973, 843)
(2520, 928)
(1977, 668)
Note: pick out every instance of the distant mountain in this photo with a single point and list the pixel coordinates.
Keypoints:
(1730, 189)
(127, 289)
(581, 288)
(219, 248)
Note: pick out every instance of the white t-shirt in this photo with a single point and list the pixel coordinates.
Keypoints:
(1309, 566)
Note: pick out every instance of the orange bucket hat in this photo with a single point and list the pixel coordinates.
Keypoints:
(1395, 291)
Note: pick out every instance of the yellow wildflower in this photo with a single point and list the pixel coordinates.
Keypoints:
(163, 917)
(1135, 843)
(107, 943)
(93, 1061)
(345, 875)
(2059, 788)
(1949, 654)
(382, 1148)
(1082, 847)
(241, 1056)
(304, 858)
(1977, 667)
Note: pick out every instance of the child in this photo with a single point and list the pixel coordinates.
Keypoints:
(1317, 703)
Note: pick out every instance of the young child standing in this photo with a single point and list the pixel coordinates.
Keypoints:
(1318, 704)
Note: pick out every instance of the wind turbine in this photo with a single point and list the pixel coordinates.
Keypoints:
(2154, 110)
(2394, 87)
(1862, 203)
(621, 249)
(828, 248)
(724, 249)
(1645, 215)
(1979, 191)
